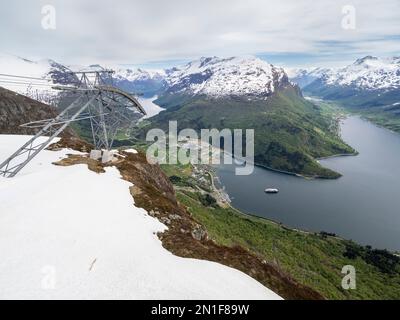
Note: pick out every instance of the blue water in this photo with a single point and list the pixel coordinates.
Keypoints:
(363, 205)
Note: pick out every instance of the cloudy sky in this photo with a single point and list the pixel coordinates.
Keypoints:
(158, 33)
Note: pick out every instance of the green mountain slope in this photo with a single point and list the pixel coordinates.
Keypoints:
(290, 132)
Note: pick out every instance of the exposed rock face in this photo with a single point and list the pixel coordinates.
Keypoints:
(199, 233)
(16, 109)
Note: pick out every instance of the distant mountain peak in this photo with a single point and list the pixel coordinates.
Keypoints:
(364, 59)
(206, 60)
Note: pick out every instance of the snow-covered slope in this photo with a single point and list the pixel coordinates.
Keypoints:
(236, 76)
(58, 240)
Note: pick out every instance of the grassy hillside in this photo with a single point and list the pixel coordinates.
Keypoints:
(313, 259)
(290, 132)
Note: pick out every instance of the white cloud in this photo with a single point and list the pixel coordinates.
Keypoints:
(129, 31)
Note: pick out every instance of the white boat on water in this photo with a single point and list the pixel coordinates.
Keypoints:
(271, 190)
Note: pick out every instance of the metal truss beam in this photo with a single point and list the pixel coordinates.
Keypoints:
(20, 158)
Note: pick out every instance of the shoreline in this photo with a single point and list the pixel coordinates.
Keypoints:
(299, 175)
(366, 118)
(281, 224)
(339, 155)
(255, 216)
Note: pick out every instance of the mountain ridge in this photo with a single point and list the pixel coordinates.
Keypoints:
(366, 73)
(234, 76)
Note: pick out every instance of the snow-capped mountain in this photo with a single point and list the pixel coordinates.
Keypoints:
(368, 82)
(367, 73)
(235, 76)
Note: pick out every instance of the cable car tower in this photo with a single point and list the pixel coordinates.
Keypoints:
(95, 98)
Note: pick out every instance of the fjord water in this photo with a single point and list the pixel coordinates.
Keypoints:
(149, 106)
(363, 205)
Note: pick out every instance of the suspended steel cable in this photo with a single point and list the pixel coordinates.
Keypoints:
(26, 83)
(24, 77)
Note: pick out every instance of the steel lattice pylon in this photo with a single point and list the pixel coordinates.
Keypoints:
(106, 106)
